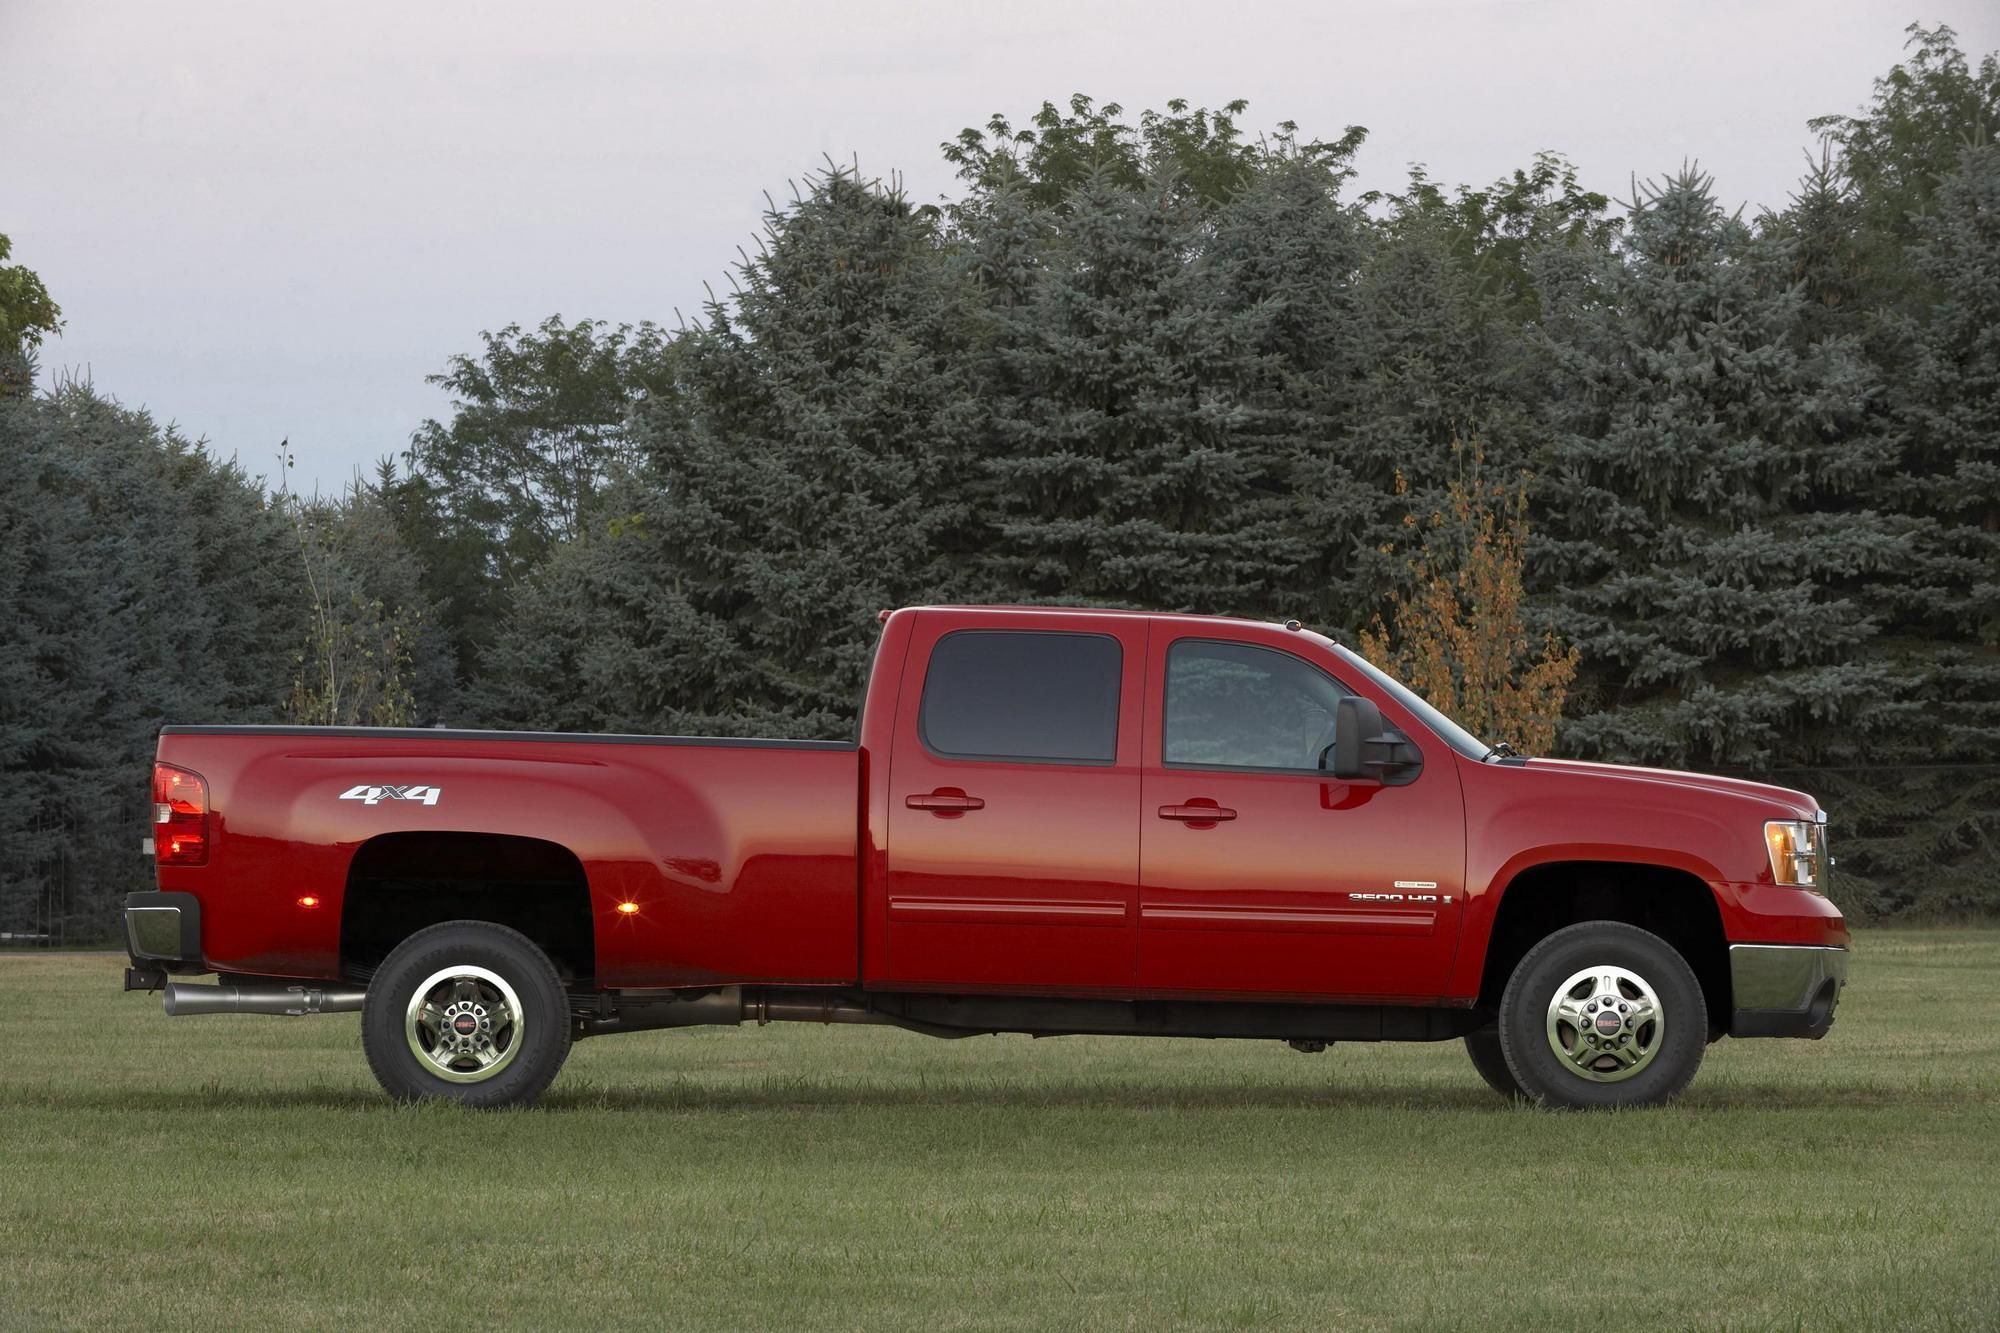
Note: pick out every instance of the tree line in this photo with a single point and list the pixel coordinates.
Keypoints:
(1725, 489)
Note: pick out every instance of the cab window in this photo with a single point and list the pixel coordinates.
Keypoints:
(1023, 695)
(1234, 705)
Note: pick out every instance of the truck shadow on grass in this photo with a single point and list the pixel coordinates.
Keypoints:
(1181, 1097)
(793, 1096)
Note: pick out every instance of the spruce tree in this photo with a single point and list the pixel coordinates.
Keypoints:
(1427, 383)
(1697, 439)
(1286, 259)
(804, 474)
(144, 584)
(1825, 231)
(1949, 399)
(1124, 460)
(1930, 809)
(1430, 366)
(59, 610)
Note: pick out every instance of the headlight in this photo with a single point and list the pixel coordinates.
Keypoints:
(1798, 852)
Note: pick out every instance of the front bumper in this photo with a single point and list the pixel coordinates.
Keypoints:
(1784, 990)
(162, 934)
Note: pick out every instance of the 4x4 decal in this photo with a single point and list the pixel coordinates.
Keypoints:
(370, 795)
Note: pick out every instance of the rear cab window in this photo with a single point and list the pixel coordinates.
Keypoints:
(1023, 696)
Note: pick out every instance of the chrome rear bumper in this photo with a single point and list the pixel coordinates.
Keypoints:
(163, 935)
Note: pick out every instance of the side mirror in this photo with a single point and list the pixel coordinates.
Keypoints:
(1364, 747)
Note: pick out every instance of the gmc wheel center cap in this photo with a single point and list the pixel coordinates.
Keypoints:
(1607, 1022)
(465, 1025)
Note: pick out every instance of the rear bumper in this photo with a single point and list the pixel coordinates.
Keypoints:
(163, 934)
(1785, 990)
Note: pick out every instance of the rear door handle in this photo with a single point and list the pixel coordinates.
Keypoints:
(945, 803)
(1197, 814)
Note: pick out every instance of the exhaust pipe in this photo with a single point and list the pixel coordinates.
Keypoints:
(179, 999)
(722, 1007)
(766, 1008)
(726, 1006)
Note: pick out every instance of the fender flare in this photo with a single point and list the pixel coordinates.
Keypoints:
(1482, 907)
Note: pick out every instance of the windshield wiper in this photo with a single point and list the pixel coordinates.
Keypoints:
(1501, 750)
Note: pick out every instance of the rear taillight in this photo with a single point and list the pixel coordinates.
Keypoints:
(180, 817)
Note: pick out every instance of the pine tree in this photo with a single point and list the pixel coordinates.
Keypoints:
(139, 583)
(1826, 233)
(1933, 829)
(1949, 467)
(1169, 310)
(1697, 439)
(1286, 258)
(55, 605)
(1427, 358)
(1123, 459)
(803, 475)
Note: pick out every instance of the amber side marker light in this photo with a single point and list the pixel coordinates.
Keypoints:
(309, 901)
(628, 909)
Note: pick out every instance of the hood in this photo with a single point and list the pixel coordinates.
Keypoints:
(1784, 800)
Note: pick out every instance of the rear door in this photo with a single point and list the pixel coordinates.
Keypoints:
(1263, 875)
(1012, 857)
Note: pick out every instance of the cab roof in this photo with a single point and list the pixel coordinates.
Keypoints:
(1188, 617)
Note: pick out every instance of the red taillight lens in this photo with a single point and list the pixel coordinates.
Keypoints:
(180, 817)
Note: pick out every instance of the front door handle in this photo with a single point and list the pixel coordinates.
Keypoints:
(945, 802)
(1197, 815)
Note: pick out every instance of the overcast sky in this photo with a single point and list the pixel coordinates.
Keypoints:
(266, 220)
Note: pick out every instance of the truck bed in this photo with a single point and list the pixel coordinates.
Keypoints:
(707, 860)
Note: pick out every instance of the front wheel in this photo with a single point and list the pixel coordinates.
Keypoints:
(466, 1011)
(1603, 1014)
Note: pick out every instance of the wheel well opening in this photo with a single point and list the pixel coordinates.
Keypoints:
(1672, 904)
(400, 883)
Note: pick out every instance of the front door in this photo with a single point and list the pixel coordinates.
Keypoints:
(1012, 859)
(1261, 875)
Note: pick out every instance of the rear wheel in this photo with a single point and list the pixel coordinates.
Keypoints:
(466, 1011)
(1491, 1062)
(1603, 1014)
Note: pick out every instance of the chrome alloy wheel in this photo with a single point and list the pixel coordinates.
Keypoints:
(1605, 1024)
(464, 1024)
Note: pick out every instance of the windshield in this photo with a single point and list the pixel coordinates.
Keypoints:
(1457, 737)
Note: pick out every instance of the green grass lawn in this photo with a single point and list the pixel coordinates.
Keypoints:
(240, 1171)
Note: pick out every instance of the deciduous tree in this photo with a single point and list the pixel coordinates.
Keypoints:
(1458, 633)
(26, 314)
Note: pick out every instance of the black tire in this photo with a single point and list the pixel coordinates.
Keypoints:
(1491, 1062)
(1662, 1064)
(529, 1046)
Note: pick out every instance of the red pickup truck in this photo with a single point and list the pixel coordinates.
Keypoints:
(1054, 822)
